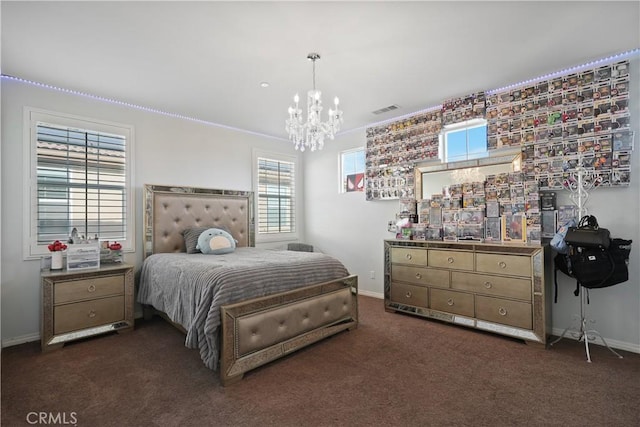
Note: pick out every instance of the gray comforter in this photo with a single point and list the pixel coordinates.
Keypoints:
(191, 288)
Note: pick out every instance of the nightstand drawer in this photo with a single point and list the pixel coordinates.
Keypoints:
(451, 259)
(509, 287)
(409, 256)
(513, 313)
(420, 276)
(452, 302)
(504, 264)
(95, 287)
(82, 315)
(409, 294)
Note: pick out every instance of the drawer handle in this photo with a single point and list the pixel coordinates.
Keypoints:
(92, 314)
(91, 288)
(487, 285)
(502, 264)
(408, 294)
(450, 260)
(450, 301)
(418, 276)
(502, 311)
(409, 256)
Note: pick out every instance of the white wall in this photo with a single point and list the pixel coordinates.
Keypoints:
(168, 151)
(178, 152)
(353, 230)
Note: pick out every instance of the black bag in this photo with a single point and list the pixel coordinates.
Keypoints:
(594, 259)
(601, 267)
(588, 234)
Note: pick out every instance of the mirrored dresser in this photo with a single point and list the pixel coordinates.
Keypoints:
(496, 287)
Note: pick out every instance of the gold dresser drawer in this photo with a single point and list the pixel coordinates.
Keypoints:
(83, 303)
(452, 302)
(82, 315)
(420, 276)
(509, 287)
(451, 259)
(95, 287)
(504, 264)
(409, 294)
(507, 312)
(409, 256)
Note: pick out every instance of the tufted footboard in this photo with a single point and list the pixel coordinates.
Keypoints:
(260, 330)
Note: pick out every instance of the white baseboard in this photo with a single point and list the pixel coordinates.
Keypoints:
(372, 294)
(20, 340)
(619, 345)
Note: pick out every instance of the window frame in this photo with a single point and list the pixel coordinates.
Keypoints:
(342, 178)
(457, 127)
(283, 235)
(31, 118)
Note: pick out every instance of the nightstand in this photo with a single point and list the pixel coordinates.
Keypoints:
(80, 304)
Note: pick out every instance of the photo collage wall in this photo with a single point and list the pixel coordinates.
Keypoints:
(578, 119)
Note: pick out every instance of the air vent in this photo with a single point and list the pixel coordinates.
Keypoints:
(385, 109)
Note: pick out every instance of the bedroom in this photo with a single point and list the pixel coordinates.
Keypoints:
(169, 150)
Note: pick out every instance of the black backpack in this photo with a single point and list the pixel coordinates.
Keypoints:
(594, 267)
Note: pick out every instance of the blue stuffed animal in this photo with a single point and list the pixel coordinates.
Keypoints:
(216, 241)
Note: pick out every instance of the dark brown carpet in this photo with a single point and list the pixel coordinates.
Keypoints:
(393, 370)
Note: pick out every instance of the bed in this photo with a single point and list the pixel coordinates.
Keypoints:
(241, 309)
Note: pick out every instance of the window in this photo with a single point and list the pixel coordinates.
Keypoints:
(276, 202)
(464, 141)
(352, 170)
(80, 179)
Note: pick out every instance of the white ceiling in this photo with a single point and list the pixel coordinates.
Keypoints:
(206, 59)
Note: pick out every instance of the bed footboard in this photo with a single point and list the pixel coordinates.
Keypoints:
(261, 330)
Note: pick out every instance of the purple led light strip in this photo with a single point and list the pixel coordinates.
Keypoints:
(603, 61)
(134, 106)
(595, 63)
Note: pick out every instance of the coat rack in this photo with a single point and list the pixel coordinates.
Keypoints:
(580, 183)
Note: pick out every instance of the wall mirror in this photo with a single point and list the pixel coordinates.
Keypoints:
(431, 177)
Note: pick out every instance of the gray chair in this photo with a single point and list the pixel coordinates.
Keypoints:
(300, 247)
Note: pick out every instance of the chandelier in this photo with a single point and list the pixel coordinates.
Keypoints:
(312, 133)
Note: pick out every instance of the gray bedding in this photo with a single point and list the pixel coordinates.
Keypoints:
(191, 288)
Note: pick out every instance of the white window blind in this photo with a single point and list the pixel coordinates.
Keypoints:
(276, 196)
(81, 183)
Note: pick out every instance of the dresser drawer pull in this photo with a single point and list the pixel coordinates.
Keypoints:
(487, 285)
(409, 256)
(408, 294)
(92, 314)
(450, 260)
(450, 301)
(91, 288)
(502, 311)
(418, 276)
(502, 264)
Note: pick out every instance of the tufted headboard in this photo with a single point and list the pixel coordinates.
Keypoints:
(170, 210)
